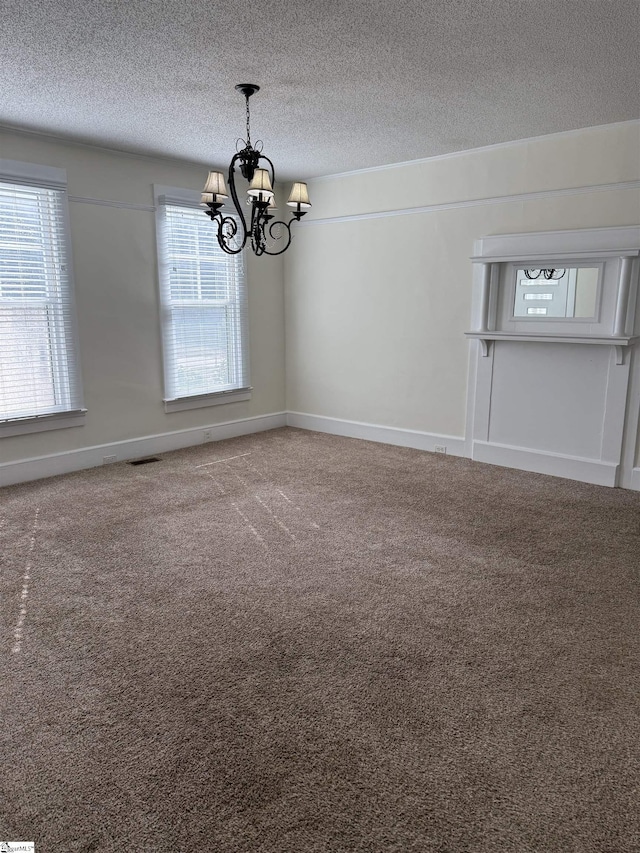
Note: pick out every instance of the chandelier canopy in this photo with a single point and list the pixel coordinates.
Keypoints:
(265, 234)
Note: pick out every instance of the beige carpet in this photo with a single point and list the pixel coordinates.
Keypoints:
(293, 642)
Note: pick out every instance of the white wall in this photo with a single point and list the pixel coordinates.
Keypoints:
(115, 265)
(378, 295)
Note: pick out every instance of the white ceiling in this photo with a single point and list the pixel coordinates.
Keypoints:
(345, 84)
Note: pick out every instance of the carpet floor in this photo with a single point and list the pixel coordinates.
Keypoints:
(295, 643)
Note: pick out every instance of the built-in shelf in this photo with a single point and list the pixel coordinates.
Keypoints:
(617, 341)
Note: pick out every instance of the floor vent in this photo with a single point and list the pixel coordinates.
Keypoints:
(144, 461)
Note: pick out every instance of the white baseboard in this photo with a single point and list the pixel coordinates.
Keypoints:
(556, 464)
(89, 457)
(373, 432)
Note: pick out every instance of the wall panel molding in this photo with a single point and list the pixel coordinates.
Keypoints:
(104, 202)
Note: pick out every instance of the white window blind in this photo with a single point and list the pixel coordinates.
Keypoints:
(204, 307)
(38, 366)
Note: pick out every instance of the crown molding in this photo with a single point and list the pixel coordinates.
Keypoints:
(493, 147)
(108, 149)
(453, 205)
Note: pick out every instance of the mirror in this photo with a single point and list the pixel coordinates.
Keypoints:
(556, 293)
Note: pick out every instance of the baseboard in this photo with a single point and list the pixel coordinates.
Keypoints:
(555, 464)
(373, 432)
(89, 457)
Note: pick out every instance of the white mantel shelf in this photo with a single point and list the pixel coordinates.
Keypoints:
(550, 338)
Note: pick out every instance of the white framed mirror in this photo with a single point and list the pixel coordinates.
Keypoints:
(550, 293)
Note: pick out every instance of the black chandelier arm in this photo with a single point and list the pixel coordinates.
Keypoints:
(227, 230)
(287, 226)
(234, 194)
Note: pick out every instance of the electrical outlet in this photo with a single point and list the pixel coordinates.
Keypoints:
(440, 448)
(206, 435)
(107, 460)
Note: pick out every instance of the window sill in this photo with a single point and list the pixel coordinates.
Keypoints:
(41, 423)
(202, 401)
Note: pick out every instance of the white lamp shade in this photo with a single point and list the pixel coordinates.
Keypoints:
(261, 185)
(215, 185)
(299, 195)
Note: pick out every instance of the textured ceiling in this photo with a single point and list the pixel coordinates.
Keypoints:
(345, 83)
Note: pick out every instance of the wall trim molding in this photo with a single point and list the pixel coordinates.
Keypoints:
(476, 202)
(374, 432)
(36, 468)
(76, 199)
(595, 471)
(635, 480)
(496, 146)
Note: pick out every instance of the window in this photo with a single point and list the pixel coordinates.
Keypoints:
(204, 311)
(39, 376)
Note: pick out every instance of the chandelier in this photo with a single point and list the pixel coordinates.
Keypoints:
(266, 235)
(547, 274)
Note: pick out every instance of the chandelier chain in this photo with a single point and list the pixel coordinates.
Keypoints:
(248, 128)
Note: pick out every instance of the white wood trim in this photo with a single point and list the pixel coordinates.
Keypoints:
(176, 195)
(203, 401)
(455, 205)
(628, 475)
(595, 471)
(550, 338)
(540, 245)
(43, 423)
(89, 457)
(17, 171)
(375, 432)
(76, 199)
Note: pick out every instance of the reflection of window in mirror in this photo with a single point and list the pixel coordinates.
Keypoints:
(556, 293)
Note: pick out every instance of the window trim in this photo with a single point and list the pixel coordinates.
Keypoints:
(167, 195)
(42, 176)
(43, 423)
(203, 401)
